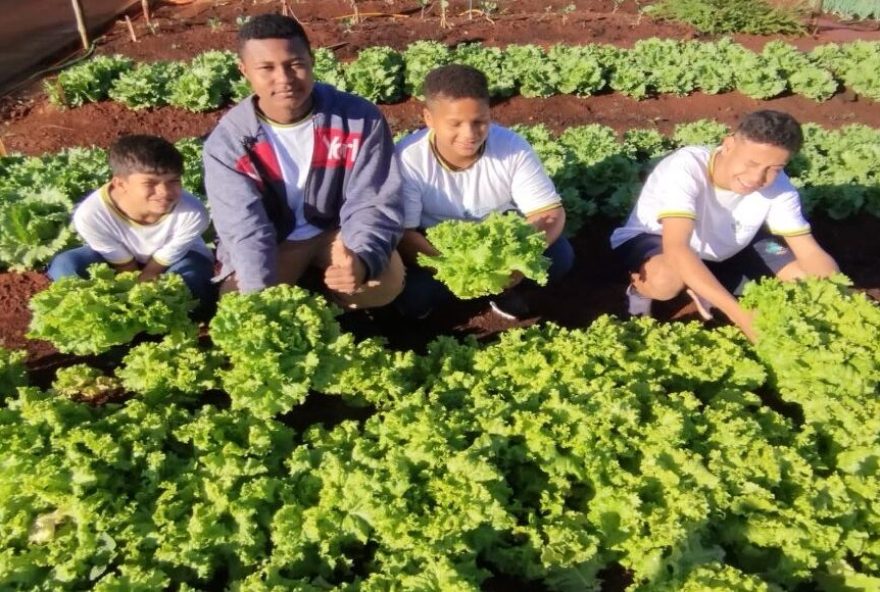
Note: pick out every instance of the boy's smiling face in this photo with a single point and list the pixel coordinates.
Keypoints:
(146, 196)
(460, 127)
(745, 166)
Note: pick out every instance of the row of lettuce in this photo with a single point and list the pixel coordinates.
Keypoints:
(596, 171)
(651, 67)
(692, 460)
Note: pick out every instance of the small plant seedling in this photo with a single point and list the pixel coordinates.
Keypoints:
(423, 4)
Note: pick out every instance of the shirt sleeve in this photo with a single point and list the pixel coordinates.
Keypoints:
(412, 196)
(192, 224)
(99, 236)
(677, 183)
(785, 217)
(531, 189)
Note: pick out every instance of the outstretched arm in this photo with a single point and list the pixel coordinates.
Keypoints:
(812, 259)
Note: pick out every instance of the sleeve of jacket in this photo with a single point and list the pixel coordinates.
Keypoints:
(245, 231)
(371, 216)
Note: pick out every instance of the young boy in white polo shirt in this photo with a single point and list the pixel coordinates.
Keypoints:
(464, 167)
(142, 220)
(705, 218)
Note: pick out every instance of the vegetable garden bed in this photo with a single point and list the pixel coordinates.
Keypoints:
(513, 446)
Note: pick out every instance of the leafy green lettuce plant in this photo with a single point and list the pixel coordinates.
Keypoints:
(580, 69)
(477, 258)
(376, 75)
(87, 82)
(33, 228)
(73, 171)
(728, 16)
(328, 69)
(281, 343)
(420, 58)
(89, 316)
(13, 373)
(147, 85)
(205, 83)
(535, 74)
(490, 61)
(167, 369)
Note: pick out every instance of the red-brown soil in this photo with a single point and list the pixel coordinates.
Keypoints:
(32, 126)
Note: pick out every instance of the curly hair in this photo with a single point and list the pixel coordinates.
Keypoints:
(772, 127)
(455, 81)
(272, 26)
(144, 154)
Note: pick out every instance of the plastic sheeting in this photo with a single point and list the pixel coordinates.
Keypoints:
(33, 31)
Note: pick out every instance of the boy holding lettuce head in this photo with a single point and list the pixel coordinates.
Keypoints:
(464, 167)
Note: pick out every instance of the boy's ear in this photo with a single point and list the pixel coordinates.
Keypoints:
(428, 117)
(727, 143)
(117, 186)
(241, 68)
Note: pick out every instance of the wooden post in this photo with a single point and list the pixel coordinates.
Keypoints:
(145, 6)
(81, 23)
(131, 29)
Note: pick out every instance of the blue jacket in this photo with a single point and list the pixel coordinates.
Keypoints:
(353, 184)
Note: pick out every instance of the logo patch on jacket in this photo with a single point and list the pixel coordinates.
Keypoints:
(335, 148)
(268, 163)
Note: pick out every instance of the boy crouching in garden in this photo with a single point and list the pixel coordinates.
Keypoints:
(464, 167)
(707, 220)
(142, 220)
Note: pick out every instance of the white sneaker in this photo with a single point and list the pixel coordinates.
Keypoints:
(638, 305)
(704, 307)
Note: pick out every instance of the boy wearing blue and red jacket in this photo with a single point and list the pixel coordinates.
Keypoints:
(301, 175)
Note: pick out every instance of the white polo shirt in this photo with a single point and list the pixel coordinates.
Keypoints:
(725, 222)
(508, 175)
(119, 239)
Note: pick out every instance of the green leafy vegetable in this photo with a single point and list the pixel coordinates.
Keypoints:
(33, 228)
(87, 82)
(89, 316)
(377, 74)
(477, 258)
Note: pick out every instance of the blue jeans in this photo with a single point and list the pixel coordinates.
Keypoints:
(195, 269)
(422, 292)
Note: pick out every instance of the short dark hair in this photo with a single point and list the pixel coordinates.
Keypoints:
(144, 154)
(272, 26)
(456, 81)
(772, 127)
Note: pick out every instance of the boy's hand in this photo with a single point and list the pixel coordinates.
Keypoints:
(745, 321)
(346, 272)
(515, 278)
(152, 269)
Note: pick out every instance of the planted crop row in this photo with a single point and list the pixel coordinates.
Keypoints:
(653, 66)
(549, 455)
(595, 171)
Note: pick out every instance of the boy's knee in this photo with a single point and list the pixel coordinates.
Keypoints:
(380, 291)
(69, 263)
(661, 281)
